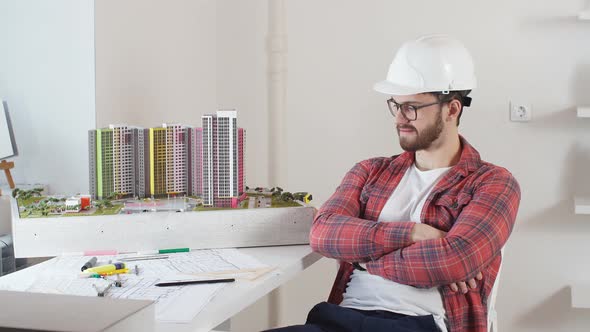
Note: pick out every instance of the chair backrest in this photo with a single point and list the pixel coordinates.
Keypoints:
(492, 315)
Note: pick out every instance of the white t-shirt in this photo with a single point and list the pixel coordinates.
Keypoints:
(372, 292)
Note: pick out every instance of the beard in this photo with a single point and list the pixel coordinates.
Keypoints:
(421, 140)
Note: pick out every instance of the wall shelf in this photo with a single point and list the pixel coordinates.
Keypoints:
(582, 205)
(580, 295)
(583, 111)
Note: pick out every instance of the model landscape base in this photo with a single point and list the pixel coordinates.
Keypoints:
(43, 237)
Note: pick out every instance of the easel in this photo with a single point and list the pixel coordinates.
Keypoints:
(6, 166)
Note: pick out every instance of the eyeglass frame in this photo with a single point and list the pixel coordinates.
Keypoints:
(397, 108)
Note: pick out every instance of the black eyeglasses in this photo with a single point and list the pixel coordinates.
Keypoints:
(410, 112)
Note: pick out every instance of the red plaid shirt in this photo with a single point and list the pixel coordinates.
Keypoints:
(475, 202)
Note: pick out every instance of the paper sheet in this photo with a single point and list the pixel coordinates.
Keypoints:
(173, 304)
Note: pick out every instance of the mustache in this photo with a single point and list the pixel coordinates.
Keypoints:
(406, 127)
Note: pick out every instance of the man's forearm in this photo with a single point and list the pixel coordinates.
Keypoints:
(340, 231)
(409, 266)
(354, 239)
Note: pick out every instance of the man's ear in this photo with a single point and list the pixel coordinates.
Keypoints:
(454, 110)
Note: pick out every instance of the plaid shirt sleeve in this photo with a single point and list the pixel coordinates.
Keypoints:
(339, 230)
(479, 232)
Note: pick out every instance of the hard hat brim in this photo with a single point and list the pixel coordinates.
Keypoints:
(388, 88)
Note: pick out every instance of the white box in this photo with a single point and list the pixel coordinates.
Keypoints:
(583, 112)
(582, 205)
(58, 312)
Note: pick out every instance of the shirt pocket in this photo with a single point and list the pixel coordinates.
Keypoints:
(449, 206)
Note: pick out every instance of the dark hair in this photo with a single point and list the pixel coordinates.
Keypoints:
(460, 95)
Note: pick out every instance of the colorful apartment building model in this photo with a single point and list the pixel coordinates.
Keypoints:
(169, 161)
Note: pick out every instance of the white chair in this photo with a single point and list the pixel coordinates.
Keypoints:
(492, 315)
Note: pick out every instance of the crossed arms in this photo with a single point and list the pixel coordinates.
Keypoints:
(417, 254)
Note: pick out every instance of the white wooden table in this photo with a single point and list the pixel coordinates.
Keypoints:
(288, 260)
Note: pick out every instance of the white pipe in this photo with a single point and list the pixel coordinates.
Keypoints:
(277, 71)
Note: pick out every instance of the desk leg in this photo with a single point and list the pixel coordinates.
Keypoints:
(223, 327)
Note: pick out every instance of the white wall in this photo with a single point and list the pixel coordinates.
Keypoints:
(47, 78)
(524, 51)
(173, 61)
(155, 61)
(242, 77)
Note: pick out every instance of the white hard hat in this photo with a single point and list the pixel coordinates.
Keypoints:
(429, 64)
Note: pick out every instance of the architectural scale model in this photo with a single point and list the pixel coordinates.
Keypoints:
(169, 161)
(172, 168)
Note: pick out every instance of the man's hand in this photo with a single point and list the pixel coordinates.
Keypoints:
(462, 285)
(422, 232)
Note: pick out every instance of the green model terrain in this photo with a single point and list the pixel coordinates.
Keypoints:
(32, 204)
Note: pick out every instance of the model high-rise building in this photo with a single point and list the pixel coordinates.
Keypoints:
(157, 160)
(223, 147)
(176, 158)
(113, 161)
(195, 161)
(168, 155)
(241, 160)
(123, 160)
(92, 166)
(209, 158)
(142, 164)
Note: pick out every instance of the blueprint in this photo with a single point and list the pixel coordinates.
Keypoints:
(61, 276)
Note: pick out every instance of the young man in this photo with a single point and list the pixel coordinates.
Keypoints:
(419, 235)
